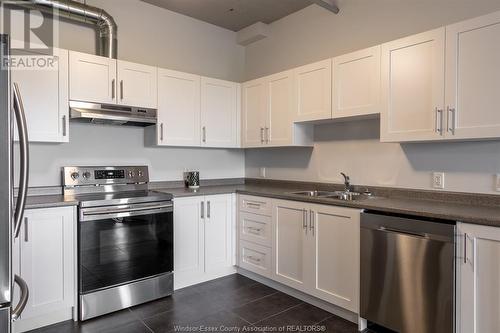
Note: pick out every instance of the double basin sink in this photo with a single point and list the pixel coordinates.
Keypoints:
(339, 195)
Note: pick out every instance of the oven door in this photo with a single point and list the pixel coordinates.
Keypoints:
(123, 244)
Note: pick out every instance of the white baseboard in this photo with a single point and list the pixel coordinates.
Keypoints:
(338, 311)
(28, 324)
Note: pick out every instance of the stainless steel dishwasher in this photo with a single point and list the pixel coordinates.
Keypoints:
(407, 273)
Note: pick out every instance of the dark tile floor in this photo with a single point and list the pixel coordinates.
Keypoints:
(230, 304)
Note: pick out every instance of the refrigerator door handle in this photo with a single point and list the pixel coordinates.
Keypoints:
(23, 299)
(24, 159)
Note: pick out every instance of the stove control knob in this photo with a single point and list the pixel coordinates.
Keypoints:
(131, 174)
(140, 173)
(75, 175)
(86, 175)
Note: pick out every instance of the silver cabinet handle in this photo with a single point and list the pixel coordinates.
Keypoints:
(452, 122)
(204, 134)
(26, 231)
(113, 90)
(253, 205)
(64, 129)
(23, 299)
(161, 132)
(439, 121)
(203, 209)
(465, 248)
(24, 159)
(252, 258)
(267, 135)
(253, 230)
(208, 209)
(304, 220)
(262, 135)
(121, 89)
(311, 221)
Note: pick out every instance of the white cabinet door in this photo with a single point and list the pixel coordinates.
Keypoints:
(219, 113)
(413, 88)
(290, 222)
(137, 84)
(356, 88)
(189, 241)
(473, 78)
(44, 93)
(92, 78)
(334, 255)
(279, 130)
(47, 262)
(254, 112)
(313, 88)
(478, 290)
(178, 109)
(218, 232)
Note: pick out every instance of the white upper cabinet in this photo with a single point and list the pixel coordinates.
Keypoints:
(254, 112)
(356, 87)
(413, 88)
(313, 88)
(92, 78)
(473, 78)
(137, 84)
(220, 107)
(44, 93)
(178, 109)
(278, 130)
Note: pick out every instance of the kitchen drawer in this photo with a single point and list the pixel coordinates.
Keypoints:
(255, 258)
(255, 228)
(255, 205)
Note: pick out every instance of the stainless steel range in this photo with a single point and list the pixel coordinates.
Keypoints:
(125, 238)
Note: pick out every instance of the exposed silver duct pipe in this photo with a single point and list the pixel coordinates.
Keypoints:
(105, 24)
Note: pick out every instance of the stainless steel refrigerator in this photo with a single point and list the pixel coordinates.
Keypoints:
(11, 109)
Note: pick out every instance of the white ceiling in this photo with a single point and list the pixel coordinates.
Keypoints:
(233, 14)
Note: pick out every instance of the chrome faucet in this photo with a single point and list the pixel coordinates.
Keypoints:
(347, 182)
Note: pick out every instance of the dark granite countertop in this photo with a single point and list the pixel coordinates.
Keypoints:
(469, 209)
(457, 211)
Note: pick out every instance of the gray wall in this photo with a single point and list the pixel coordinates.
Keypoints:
(353, 147)
(115, 145)
(314, 34)
(149, 35)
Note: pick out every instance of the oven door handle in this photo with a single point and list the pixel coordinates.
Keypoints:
(99, 214)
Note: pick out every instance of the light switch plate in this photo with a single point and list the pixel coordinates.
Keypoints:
(438, 180)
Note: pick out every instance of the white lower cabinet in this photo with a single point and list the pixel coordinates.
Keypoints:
(334, 255)
(203, 238)
(44, 255)
(314, 248)
(478, 273)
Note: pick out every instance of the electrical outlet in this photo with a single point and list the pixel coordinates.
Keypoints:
(262, 172)
(497, 182)
(438, 180)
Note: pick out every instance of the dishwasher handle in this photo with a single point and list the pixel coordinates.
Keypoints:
(404, 232)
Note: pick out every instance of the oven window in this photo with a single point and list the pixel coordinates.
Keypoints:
(117, 251)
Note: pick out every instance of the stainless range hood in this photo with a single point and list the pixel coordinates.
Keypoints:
(111, 114)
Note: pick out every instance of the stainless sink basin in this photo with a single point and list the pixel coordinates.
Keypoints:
(347, 196)
(315, 193)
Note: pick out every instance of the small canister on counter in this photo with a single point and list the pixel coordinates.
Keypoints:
(193, 179)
